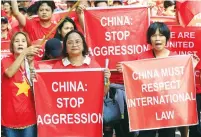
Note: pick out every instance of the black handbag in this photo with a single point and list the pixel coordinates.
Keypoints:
(111, 110)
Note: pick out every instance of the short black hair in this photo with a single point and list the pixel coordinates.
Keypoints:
(6, 1)
(58, 35)
(168, 3)
(163, 29)
(50, 3)
(98, 1)
(86, 49)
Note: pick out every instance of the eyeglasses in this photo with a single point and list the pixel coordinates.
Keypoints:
(77, 42)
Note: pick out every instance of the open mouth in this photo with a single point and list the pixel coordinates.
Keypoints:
(20, 48)
(158, 44)
(44, 16)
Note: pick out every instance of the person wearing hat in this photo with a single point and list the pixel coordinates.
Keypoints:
(53, 49)
(4, 29)
(37, 29)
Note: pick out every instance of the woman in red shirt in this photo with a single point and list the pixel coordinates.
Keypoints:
(18, 117)
(75, 53)
(158, 35)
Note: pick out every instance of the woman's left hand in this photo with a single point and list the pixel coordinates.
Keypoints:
(196, 59)
(107, 73)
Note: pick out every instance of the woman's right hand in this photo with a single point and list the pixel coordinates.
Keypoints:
(32, 50)
(119, 67)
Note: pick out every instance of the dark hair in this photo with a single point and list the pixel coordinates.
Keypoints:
(9, 2)
(168, 3)
(58, 34)
(163, 29)
(6, 1)
(51, 4)
(84, 52)
(98, 1)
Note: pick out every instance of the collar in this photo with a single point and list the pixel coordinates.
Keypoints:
(66, 62)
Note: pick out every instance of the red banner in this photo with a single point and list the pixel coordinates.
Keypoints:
(5, 49)
(159, 94)
(119, 33)
(186, 40)
(64, 101)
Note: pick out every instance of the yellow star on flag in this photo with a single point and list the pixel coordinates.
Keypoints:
(23, 88)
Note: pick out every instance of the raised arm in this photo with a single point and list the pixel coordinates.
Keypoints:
(12, 69)
(19, 16)
(80, 12)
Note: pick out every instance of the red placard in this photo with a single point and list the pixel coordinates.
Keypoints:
(64, 101)
(116, 33)
(186, 40)
(5, 49)
(160, 95)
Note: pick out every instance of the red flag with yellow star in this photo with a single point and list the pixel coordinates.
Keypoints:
(18, 109)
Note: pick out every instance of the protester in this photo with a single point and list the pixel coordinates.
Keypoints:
(75, 53)
(8, 10)
(18, 117)
(66, 26)
(158, 35)
(37, 29)
(53, 49)
(4, 29)
(170, 7)
(70, 4)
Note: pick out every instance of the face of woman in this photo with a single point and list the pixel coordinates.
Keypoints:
(170, 11)
(19, 44)
(74, 45)
(158, 41)
(7, 7)
(67, 27)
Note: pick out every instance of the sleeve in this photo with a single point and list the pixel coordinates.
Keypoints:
(5, 63)
(28, 26)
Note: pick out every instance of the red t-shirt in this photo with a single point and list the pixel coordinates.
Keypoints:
(149, 54)
(18, 109)
(36, 31)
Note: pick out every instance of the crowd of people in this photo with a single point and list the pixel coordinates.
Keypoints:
(67, 44)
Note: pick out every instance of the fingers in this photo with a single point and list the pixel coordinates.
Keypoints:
(33, 50)
(80, 8)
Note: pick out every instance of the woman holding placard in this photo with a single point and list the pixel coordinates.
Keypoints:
(158, 35)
